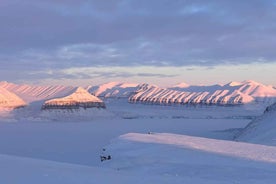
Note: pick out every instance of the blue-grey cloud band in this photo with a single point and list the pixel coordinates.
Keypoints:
(50, 34)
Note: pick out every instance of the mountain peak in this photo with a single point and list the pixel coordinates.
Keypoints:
(181, 85)
(257, 89)
(81, 90)
(234, 83)
(252, 82)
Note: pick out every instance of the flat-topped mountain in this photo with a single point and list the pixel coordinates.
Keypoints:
(78, 99)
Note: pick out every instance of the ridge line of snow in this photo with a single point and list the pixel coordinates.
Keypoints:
(229, 148)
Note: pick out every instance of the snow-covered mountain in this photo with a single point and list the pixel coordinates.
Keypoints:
(253, 89)
(114, 89)
(181, 85)
(261, 130)
(152, 94)
(34, 93)
(249, 87)
(9, 99)
(30, 93)
(231, 93)
(80, 98)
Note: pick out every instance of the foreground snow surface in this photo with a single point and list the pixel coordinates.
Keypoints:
(82, 142)
(193, 159)
(154, 158)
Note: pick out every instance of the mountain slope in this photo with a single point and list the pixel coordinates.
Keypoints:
(261, 130)
(114, 89)
(156, 95)
(31, 93)
(231, 93)
(256, 89)
(249, 87)
(10, 100)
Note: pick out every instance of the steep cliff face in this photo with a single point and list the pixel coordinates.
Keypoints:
(79, 99)
(9, 99)
(261, 130)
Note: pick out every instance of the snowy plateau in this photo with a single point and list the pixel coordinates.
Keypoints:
(143, 133)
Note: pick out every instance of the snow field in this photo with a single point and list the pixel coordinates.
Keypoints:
(194, 159)
(65, 146)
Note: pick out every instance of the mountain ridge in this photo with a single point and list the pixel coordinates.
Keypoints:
(230, 93)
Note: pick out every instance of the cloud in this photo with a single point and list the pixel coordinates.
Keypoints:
(88, 73)
(41, 35)
(164, 76)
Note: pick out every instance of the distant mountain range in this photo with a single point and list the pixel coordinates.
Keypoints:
(231, 93)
